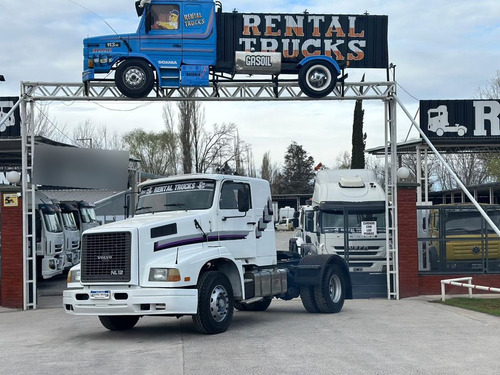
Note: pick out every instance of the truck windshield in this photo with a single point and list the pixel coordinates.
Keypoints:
(333, 221)
(88, 215)
(69, 221)
(52, 223)
(469, 222)
(175, 196)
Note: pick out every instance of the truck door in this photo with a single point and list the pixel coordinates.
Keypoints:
(236, 229)
(162, 39)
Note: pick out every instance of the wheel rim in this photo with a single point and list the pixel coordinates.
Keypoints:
(219, 302)
(134, 77)
(318, 78)
(335, 288)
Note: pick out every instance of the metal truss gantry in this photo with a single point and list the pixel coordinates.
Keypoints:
(217, 91)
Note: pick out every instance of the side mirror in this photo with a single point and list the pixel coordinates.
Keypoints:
(243, 200)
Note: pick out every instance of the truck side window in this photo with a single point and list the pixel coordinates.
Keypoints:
(165, 17)
(229, 195)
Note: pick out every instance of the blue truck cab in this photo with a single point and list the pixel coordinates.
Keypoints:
(190, 43)
(175, 42)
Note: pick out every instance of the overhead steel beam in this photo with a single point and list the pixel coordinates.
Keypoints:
(218, 91)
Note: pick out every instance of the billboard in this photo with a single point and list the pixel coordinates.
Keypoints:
(467, 122)
(11, 127)
(80, 167)
(360, 40)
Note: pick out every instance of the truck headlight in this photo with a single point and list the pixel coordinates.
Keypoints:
(164, 274)
(74, 276)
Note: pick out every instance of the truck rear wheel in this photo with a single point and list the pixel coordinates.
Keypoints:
(308, 299)
(215, 303)
(330, 295)
(119, 323)
(134, 78)
(317, 79)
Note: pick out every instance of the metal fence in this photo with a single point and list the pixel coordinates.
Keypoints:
(456, 238)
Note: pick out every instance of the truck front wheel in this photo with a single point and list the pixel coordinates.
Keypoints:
(317, 79)
(330, 294)
(215, 303)
(134, 78)
(119, 323)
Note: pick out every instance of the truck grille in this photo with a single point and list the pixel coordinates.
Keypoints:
(106, 257)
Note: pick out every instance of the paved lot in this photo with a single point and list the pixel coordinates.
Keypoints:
(373, 336)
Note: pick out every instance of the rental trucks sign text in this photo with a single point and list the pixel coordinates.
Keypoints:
(360, 40)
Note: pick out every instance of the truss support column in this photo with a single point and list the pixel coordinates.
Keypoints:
(391, 215)
(28, 192)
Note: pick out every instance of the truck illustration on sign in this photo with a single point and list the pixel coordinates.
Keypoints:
(438, 122)
(181, 43)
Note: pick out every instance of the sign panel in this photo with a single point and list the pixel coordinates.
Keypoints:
(81, 168)
(360, 40)
(467, 122)
(10, 200)
(11, 127)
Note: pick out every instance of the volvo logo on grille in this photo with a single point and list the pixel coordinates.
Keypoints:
(105, 257)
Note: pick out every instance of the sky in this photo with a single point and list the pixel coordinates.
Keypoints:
(442, 50)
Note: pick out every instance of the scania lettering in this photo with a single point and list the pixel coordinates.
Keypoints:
(176, 38)
(199, 245)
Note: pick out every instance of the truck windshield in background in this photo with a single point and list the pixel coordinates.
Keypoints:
(88, 215)
(51, 220)
(472, 222)
(355, 222)
(182, 195)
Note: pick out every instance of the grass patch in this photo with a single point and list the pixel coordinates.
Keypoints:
(485, 305)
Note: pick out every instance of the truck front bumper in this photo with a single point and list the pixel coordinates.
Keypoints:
(107, 300)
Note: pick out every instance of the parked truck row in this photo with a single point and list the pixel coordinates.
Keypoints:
(58, 229)
(199, 245)
(192, 43)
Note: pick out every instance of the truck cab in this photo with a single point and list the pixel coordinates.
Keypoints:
(49, 236)
(170, 35)
(199, 245)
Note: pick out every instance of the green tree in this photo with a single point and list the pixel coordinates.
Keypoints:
(154, 150)
(298, 173)
(358, 138)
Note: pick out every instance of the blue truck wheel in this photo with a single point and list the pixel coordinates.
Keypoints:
(134, 78)
(317, 79)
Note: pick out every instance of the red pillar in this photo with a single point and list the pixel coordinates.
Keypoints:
(407, 240)
(11, 285)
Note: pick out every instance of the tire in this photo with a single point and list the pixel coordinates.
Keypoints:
(134, 78)
(119, 323)
(215, 303)
(330, 294)
(439, 132)
(461, 132)
(433, 258)
(317, 79)
(308, 299)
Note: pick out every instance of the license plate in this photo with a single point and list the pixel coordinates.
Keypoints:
(99, 294)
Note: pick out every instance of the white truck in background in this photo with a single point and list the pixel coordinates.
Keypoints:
(72, 234)
(286, 218)
(84, 213)
(347, 218)
(48, 236)
(199, 245)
